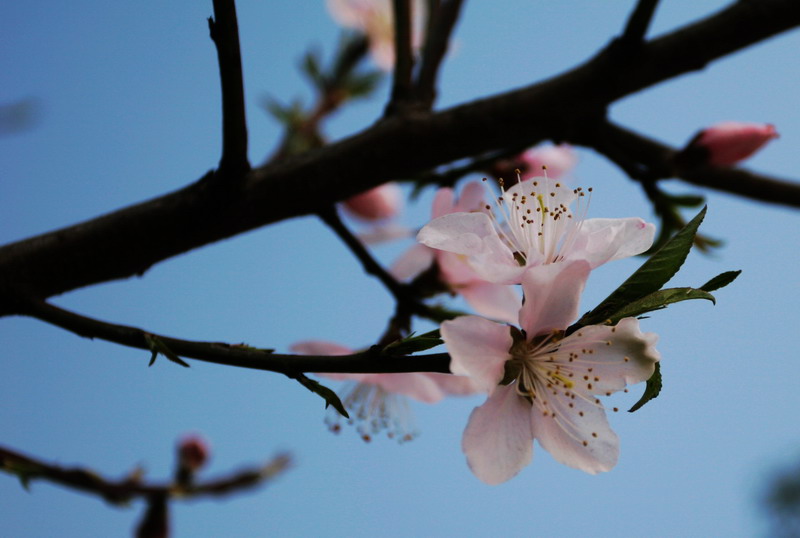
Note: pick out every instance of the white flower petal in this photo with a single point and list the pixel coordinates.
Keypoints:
(606, 359)
(495, 301)
(462, 233)
(601, 240)
(552, 296)
(478, 348)
(498, 440)
(573, 428)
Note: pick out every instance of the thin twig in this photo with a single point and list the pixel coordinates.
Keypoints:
(127, 489)
(638, 23)
(442, 22)
(224, 31)
(402, 294)
(238, 355)
(657, 161)
(404, 59)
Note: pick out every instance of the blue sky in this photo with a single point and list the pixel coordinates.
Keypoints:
(127, 101)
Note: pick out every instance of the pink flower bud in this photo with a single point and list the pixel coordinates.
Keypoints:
(555, 161)
(729, 142)
(193, 452)
(382, 202)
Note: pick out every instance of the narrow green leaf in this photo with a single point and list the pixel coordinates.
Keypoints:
(658, 300)
(653, 274)
(651, 390)
(330, 397)
(157, 346)
(413, 344)
(721, 280)
(363, 84)
(310, 65)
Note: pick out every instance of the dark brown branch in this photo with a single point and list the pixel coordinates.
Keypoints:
(647, 160)
(240, 355)
(129, 241)
(442, 22)
(639, 21)
(403, 57)
(122, 491)
(224, 31)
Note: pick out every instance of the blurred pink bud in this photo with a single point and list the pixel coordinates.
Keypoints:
(554, 161)
(729, 142)
(382, 202)
(374, 19)
(193, 452)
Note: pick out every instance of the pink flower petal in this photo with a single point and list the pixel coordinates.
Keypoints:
(575, 431)
(498, 439)
(495, 301)
(461, 233)
(601, 240)
(478, 348)
(552, 296)
(730, 142)
(606, 359)
(412, 262)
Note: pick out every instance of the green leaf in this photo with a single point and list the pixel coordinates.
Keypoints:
(721, 280)
(649, 278)
(413, 344)
(310, 65)
(651, 390)
(362, 84)
(327, 394)
(658, 300)
(157, 346)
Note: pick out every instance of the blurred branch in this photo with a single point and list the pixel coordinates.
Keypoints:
(638, 23)
(442, 20)
(332, 90)
(129, 241)
(239, 355)
(224, 32)
(127, 489)
(404, 58)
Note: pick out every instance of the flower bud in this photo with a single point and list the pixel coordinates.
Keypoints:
(550, 160)
(725, 144)
(382, 202)
(193, 452)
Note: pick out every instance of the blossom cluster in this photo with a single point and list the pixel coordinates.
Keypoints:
(520, 259)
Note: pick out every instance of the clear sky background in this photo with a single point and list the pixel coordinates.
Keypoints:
(127, 107)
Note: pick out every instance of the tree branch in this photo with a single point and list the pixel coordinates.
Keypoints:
(224, 32)
(406, 302)
(129, 241)
(239, 355)
(441, 25)
(122, 491)
(639, 21)
(647, 160)
(403, 58)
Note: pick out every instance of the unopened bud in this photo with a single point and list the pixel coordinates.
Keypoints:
(193, 453)
(726, 143)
